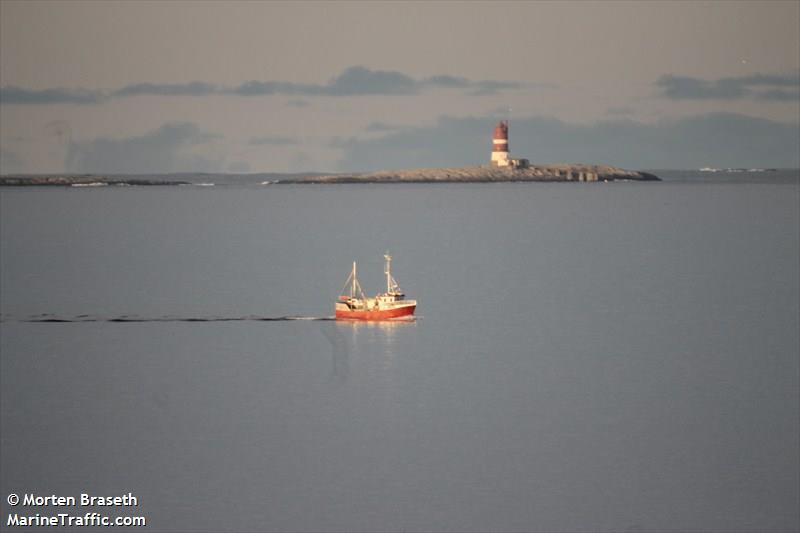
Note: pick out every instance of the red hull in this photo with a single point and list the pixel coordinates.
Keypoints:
(375, 315)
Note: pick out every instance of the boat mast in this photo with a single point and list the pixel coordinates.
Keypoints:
(353, 289)
(387, 269)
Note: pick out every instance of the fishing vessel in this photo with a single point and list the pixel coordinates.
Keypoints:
(390, 304)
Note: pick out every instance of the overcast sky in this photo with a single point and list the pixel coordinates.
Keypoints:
(184, 86)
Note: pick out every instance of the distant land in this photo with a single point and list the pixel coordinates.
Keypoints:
(473, 174)
(81, 181)
(560, 172)
(182, 178)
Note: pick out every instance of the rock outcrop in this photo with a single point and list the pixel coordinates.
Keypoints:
(560, 172)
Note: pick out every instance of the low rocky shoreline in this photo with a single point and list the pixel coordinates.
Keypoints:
(80, 181)
(475, 174)
(554, 173)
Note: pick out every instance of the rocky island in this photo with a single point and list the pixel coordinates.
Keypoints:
(560, 172)
(502, 167)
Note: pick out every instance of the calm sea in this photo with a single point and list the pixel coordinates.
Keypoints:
(587, 357)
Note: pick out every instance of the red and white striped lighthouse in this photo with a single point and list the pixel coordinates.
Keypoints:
(500, 145)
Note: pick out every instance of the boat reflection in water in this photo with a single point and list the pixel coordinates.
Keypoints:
(386, 327)
(374, 331)
(363, 343)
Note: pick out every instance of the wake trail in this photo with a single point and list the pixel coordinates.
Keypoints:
(51, 319)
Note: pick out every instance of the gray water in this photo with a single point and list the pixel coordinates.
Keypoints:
(587, 357)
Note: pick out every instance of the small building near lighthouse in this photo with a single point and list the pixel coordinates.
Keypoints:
(500, 153)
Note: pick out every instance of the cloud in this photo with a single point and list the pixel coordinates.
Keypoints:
(480, 87)
(756, 86)
(195, 88)
(786, 80)
(450, 82)
(779, 95)
(382, 127)
(358, 80)
(269, 140)
(261, 88)
(484, 87)
(353, 81)
(18, 95)
(164, 150)
(362, 81)
(719, 139)
(681, 87)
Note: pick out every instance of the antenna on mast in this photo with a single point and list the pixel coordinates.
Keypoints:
(387, 269)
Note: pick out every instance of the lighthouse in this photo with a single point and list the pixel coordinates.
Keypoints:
(500, 149)
(500, 145)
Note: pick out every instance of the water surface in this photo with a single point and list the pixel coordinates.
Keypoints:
(587, 357)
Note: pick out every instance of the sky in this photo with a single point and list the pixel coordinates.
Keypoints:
(182, 86)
